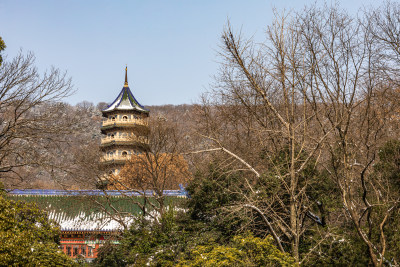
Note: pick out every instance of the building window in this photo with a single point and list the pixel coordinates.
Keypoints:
(113, 118)
(68, 250)
(89, 252)
(76, 251)
(125, 118)
(124, 154)
(112, 135)
(83, 251)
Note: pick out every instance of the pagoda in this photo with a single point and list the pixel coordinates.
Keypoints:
(125, 129)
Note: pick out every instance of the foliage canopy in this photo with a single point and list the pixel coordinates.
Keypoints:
(27, 237)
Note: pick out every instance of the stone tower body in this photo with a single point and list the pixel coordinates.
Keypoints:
(125, 130)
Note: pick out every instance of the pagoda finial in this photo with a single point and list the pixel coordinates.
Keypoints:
(126, 77)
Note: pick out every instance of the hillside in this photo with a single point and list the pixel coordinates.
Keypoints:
(69, 163)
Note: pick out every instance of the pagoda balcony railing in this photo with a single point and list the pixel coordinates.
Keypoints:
(125, 122)
(115, 158)
(130, 139)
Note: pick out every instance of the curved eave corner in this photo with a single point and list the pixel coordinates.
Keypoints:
(132, 104)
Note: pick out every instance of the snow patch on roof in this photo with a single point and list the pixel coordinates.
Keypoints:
(89, 222)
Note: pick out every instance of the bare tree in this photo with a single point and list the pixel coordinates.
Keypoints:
(312, 97)
(351, 78)
(264, 87)
(30, 120)
(383, 25)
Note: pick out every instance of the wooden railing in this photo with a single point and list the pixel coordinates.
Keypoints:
(110, 139)
(125, 122)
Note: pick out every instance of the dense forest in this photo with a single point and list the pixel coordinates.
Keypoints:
(292, 156)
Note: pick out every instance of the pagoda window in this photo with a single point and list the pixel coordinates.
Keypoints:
(125, 118)
(68, 250)
(113, 118)
(89, 253)
(112, 136)
(124, 154)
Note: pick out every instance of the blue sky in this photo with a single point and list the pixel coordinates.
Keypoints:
(170, 47)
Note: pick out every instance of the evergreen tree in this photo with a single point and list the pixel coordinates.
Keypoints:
(28, 237)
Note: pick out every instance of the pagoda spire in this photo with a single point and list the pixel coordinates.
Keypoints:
(126, 77)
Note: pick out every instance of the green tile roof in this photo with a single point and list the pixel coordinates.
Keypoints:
(91, 212)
